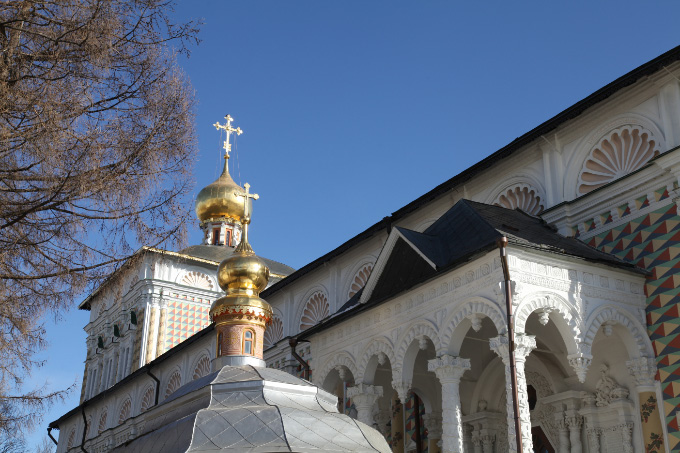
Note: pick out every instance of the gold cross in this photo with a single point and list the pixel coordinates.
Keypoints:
(244, 246)
(246, 196)
(228, 129)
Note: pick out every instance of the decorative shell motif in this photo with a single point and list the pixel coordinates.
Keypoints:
(273, 333)
(202, 368)
(197, 280)
(147, 399)
(102, 422)
(623, 151)
(522, 197)
(124, 411)
(316, 309)
(71, 439)
(173, 384)
(360, 280)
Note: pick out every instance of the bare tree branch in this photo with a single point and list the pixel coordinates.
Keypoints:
(96, 153)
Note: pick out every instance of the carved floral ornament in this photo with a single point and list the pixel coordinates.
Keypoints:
(521, 196)
(202, 368)
(619, 153)
(173, 384)
(125, 411)
(315, 310)
(147, 399)
(360, 279)
(102, 421)
(197, 280)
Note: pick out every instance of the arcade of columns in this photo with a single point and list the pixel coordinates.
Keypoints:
(585, 371)
(448, 430)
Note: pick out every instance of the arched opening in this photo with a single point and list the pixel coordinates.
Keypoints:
(378, 372)
(337, 382)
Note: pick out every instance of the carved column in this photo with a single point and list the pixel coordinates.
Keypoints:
(364, 397)
(626, 436)
(467, 437)
(477, 443)
(433, 423)
(449, 370)
(398, 440)
(563, 428)
(524, 344)
(643, 370)
(574, 422)
(593, 440)
(382, 420)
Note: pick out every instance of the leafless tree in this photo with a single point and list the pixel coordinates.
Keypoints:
(96, 153)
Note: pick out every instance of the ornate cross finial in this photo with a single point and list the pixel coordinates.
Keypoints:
(228, 129)
(244, 246)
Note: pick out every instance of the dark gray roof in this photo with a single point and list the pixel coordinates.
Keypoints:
(646, 69)
(467, 229)
(252, 409)
(219, 252)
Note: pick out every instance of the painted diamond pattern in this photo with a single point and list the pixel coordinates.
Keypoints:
(410, 412)
(652, 242)
(185, 319)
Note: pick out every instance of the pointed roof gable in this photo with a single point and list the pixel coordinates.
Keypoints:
(464, 231)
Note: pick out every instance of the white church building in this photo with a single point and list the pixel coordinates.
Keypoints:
(406, 323)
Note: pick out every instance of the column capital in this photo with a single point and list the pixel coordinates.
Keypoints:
(524, 344)
(402, 388)
(643, 370)
(574, 421)
(448, 368)
(373, 391)
(364, 397)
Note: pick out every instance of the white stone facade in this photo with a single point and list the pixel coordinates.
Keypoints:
(583, 352)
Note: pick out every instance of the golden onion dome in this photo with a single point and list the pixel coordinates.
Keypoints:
(220, 199)
(243, 276)
(243, 273)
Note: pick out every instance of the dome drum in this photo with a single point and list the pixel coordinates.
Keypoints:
(240, 309)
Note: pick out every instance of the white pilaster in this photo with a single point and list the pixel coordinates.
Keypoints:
(449, 370)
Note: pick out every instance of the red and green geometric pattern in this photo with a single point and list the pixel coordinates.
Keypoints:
(410, 413)
(652, 242)
(183, 319)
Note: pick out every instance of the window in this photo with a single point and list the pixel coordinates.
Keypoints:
(227, 238)
(219, 345)
(248, 342)
(216, 236)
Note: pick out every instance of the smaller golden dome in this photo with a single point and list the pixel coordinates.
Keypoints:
(243, 273)
(220, 199)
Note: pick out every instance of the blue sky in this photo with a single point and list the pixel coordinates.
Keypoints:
(353, 109)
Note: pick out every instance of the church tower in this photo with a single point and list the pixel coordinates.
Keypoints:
(240, 316)
(218, 205)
